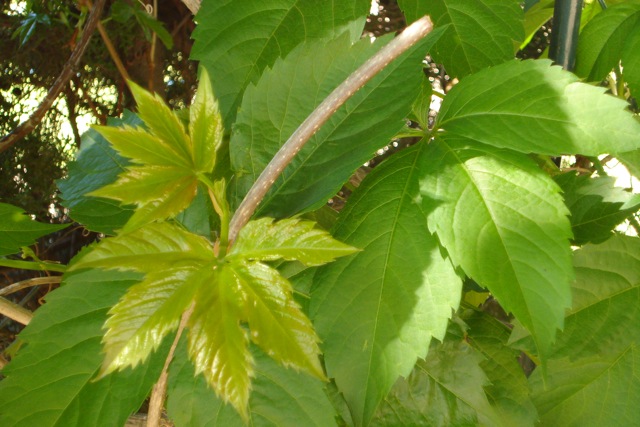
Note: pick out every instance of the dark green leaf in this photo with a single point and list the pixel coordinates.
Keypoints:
(596, 205)
(532, 107)
(501, 218)
(97, 164)
(279, 397)
(288, 239)
(444, 390)
(481, 33)
(51, 380)
(376, 311)
(590, 391)
(287, 94)
(236, 51)
(149, 22)
(631, 61)
(17, 229)
(603, 39)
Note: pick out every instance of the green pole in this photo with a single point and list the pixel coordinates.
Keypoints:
(564, 37)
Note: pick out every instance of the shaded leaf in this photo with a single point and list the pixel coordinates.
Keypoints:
(481, 33)
(279, 397)
(18, 229)
(51, 380)
(284, 97)
(377, 310)
(509, 389)
(631, 61)
(501, 218)
(596, 205)
(446, 389)
(631, 161)
(604, 38)
(288, 239)
(533, 107)
(590, 391)
(97, 164)
(236, 51)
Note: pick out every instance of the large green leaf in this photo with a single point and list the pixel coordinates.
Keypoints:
(631, 160)
(51, 380)
(237, 40)
(376, 311)
(444, 390)
(288, 239)
(284, 97)
(167, 162)
(17, 229)
(606, 301)
(631, 61)
(97, 164)
(590, 391)
(596, 205)
(481, 33)
(604, 38)
(533, 107)
(280, 397)
(509, 390)
(503, 221)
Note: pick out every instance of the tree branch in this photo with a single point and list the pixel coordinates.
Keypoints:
(320, 115)
(30, 124)
(15, 312)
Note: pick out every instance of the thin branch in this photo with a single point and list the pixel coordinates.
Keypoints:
(160, 388)
(113, 53)
(33, 265)
(30, 124)
(15, 312)
(320, 115)
(36, 281)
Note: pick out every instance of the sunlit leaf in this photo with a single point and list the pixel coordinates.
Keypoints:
(376, 311)
(501, 218)
(533, 107)
(205, 125)
(481, 33)
(288, 239)
(51, 381)
(17, 229)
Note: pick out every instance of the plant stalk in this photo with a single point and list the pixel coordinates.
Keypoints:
(320, 115)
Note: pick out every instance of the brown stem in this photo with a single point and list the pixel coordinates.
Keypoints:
(35, 281)
(160, 388)
(15, 312)
(113, 53)
(26, 127)
(320, 115)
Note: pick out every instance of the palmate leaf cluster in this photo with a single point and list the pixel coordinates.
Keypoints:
(398, 331)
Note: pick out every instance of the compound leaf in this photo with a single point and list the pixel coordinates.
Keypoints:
(17, 229)
(288, 239)
(502, 220)
(533, 107)
(480, 33)
(376, 311)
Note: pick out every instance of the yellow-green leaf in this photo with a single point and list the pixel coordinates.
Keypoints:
(205, 124)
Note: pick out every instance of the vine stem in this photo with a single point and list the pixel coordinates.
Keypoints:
(320, 115)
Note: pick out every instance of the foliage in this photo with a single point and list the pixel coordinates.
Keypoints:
(390, 318)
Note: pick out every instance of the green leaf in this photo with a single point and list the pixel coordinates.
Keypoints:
(218, 345)
(481, 33)
(606, 301)
(377, 310)
(17, 229)
(148, 22)
(504, 223)
(596, 205)
(97, 164)
(631, 61)
(532, 107)
(236, 51)
(590, 391)
(446, 389)
(534, 17)
(284, 97)
(509, 389)
(279, 397)
(51, 380)
(278, 326)
(631, 161)
(205, 125)
(288, 239)
(604, 38)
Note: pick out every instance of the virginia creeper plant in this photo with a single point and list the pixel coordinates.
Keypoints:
(379, 314)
